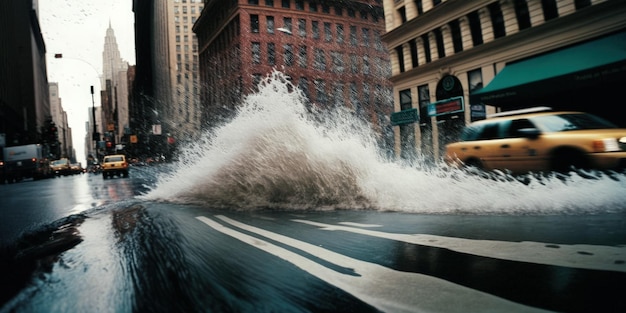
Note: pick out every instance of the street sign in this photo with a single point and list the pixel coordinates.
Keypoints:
(404, 117)
(447, 106)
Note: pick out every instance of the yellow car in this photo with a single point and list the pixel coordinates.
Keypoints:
(537, 140)
(61, 167)
(114, 164)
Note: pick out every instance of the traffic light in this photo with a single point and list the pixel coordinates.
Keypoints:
(53, 133)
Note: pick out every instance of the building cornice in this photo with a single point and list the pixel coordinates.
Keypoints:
(595, 21)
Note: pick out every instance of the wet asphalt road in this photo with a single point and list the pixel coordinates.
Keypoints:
(100, 249)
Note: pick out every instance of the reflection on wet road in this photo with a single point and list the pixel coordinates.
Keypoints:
(147, 256)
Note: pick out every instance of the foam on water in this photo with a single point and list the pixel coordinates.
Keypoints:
(275, 153)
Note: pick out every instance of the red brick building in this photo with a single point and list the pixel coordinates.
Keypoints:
(331, 49)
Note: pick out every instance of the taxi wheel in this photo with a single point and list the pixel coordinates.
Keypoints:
(475, 163)
(566, 160)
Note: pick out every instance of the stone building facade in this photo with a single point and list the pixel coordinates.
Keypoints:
(456, 61)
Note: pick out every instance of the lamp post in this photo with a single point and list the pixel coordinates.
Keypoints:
(95, 136)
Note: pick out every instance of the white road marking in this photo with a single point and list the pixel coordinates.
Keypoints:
(607, 258)
(386, 289)
(360, 225)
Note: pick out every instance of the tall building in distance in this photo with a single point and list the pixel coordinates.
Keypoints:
(183, 110)
(59, 118)
(455, 61)
(331, 50)
(114, 93)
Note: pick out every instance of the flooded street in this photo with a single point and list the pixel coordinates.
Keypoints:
(276, 212)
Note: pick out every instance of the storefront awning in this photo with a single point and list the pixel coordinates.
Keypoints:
(588, 64)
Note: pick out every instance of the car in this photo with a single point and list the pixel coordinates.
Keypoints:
(77, 168)
(114, 164)
(540, 140)
(61, 167)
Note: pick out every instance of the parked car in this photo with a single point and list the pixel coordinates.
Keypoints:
(540, 140)
(61, 167)
(114, 164)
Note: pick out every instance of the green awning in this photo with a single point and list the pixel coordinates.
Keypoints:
(577, 66)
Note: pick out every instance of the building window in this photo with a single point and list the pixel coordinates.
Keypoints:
(402, 13)
(256, 80)
(441, 52)
(354, 64)
(420, 7)
(353, 36)
(413, 46)
(316, 29)
(286, 4)
(339, 33)
(475, 79)
(476, 30)
(302, 57)
(319, 61)
(338, 94)
(580, 4)
(338, 11)
(254, 23)
(366, 65)
(287, 23)
(400, 54)
(550, 10)
(521, 12)
(426, 48)
(302, 27)
(405, 100)
(288, 55)
(312, 7)
(325, 8)
(271, 53)
(337, 59)
(256, 52)
(320, 90)
(300, 5)
(354, 99)
(365, 33)
(457, 40)
(424, 100)
(497, 20)
(270, 24)
(364, 15)
(328, 35)
(303, 83)
(269, 3)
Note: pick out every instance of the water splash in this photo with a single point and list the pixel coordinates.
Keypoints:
(279, 153)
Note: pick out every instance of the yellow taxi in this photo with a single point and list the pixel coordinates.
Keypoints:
(61, 167)
(114, 164)
(540, 140)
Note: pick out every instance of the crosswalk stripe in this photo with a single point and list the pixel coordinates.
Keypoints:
(595, 257)
(384, 288)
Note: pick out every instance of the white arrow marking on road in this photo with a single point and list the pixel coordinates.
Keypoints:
(386, 289)
(606, 258)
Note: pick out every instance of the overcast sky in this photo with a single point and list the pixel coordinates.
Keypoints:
(77, 30)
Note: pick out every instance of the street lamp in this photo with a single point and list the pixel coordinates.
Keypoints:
(95, 133)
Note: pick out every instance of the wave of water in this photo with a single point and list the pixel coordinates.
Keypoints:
(277, 154)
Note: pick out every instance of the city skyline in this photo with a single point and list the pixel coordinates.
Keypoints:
(77, 30)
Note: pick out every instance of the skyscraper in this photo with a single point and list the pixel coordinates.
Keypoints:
(114, 90)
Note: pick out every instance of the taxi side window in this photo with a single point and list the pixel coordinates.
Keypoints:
(489, 131)
(514, 126)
